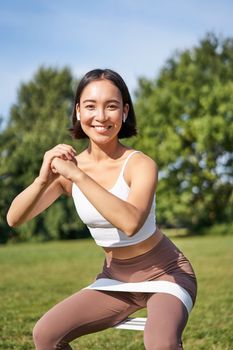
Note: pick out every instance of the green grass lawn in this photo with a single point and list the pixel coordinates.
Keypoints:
(33, 277)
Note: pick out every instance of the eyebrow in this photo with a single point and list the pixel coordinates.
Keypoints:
(88, 100)
(111, 100)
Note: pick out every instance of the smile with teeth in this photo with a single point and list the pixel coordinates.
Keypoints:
(101, 128)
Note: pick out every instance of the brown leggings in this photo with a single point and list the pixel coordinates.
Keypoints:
(90, 311)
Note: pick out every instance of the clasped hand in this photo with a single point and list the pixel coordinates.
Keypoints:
(64, 167)
(60, 160)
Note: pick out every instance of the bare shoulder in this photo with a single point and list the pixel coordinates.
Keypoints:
(140, 161)
(140, 168)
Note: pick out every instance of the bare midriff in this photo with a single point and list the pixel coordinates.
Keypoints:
(134, 250)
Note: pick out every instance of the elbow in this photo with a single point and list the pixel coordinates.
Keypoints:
(132, 229)
(133, 225)
(10, 221)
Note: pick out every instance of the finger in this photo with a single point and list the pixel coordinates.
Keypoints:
(58, 152)
(67, 148)
(54, 170)
(70, 147)
(67, 151)
(49, 156)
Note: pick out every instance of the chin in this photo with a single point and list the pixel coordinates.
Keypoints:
(103, 139)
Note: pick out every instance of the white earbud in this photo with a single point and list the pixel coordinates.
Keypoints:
(78, 116)
(124, 117)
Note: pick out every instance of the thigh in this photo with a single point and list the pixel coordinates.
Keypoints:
(84, 312)
(167, 318)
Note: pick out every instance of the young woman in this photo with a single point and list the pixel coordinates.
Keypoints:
(113, 187)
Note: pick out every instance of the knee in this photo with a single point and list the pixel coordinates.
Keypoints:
(36, 335)
(39, 337)
(42, 336)
(44, 339)
(152, 342)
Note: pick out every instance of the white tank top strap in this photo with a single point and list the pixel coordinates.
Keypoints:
(126, 161)
(104, 233)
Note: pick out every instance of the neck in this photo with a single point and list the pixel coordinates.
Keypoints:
(105, 151)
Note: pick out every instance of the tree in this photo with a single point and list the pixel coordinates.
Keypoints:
(186, 124)
(38, 121)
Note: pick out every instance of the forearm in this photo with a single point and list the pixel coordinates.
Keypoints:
(24, 204)
(46, 188)
(112, 208)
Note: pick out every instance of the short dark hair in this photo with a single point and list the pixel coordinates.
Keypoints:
(128, 128)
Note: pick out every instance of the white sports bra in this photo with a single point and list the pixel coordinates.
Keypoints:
(103, 232)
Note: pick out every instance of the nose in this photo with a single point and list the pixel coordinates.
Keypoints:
(101, 115)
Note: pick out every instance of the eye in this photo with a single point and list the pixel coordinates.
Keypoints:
(90, 106)
(112, 107)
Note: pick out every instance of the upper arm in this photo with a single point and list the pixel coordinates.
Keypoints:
(142, 175)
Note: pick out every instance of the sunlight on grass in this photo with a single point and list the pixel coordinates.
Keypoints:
(36, 276)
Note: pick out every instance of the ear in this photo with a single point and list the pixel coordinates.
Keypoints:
(77, 111)
(125, 112)
(77, 108)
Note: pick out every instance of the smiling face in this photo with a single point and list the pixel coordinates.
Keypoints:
(101, 111)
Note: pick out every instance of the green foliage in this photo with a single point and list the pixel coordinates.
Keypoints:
(38, 121)
(186, 124)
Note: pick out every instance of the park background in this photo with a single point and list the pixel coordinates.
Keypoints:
(177, 59)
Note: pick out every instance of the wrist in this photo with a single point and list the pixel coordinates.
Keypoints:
(40, 181)
(77, 176)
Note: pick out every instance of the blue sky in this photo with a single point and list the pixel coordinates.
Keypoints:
(134, 37)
